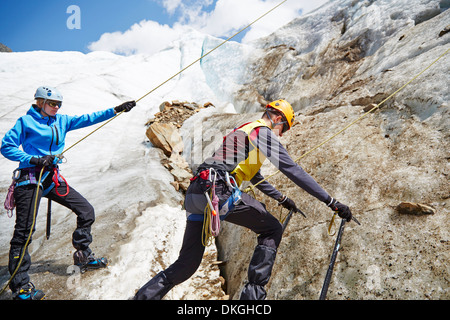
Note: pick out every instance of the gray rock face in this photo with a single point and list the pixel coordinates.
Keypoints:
(333, 65)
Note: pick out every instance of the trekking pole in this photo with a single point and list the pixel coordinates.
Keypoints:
(337, 246)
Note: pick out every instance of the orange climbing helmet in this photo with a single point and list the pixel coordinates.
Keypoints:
(285, 108)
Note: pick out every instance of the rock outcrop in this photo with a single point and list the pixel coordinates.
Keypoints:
(4, 48)
(163, 133)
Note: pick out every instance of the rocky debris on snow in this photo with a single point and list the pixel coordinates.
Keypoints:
(163, 133)
(415, 208)
(165, 136)
(177, 112)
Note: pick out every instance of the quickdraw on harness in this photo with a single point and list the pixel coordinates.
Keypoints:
(10, 204)
(211, 222)
(215, 212)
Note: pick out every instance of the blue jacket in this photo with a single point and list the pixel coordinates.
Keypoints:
(40, 136)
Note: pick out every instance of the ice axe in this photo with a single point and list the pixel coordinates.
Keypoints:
(288, 217)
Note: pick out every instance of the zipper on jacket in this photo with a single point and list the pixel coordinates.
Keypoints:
(51, 142)
(55, 132)
(57, 135)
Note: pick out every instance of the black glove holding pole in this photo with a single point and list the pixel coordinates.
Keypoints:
(125, 107)
(287, 203)
(342, 210)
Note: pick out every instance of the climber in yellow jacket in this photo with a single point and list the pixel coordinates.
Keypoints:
(241, 156)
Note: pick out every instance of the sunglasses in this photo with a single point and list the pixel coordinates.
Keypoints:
(54, 104)
(285, 126)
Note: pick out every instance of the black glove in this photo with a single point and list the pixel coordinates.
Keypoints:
(127, 106)
(342, 210)
(288, 204)
(42, 161)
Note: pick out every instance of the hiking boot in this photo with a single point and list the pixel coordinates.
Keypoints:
(88, 261)
(28, 292)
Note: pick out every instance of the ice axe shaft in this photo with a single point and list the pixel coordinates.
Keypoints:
(289, 216)
(49, 219)
(337, 246)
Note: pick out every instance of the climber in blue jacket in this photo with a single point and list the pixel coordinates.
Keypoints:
(41, 135)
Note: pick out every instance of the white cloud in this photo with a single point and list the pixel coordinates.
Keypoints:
(223, 20)
(146, 36)
(171, 5)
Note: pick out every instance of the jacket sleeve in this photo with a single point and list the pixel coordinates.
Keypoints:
(265, 187)
(271, 147)
(11, 142)
(78, 122)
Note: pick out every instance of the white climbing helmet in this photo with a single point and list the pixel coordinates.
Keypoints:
(48, 93)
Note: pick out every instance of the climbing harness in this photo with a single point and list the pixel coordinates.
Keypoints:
(26, 176)
(337, 246)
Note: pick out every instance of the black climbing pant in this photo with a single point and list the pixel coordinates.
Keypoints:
(24, 197)
(251, 214)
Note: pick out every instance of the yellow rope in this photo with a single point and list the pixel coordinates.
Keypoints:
(206, 232)
(251, 187)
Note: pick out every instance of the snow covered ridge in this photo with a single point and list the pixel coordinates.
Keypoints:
(330, 64)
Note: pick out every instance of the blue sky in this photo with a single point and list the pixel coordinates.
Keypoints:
(42, 25)
(120, 25)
